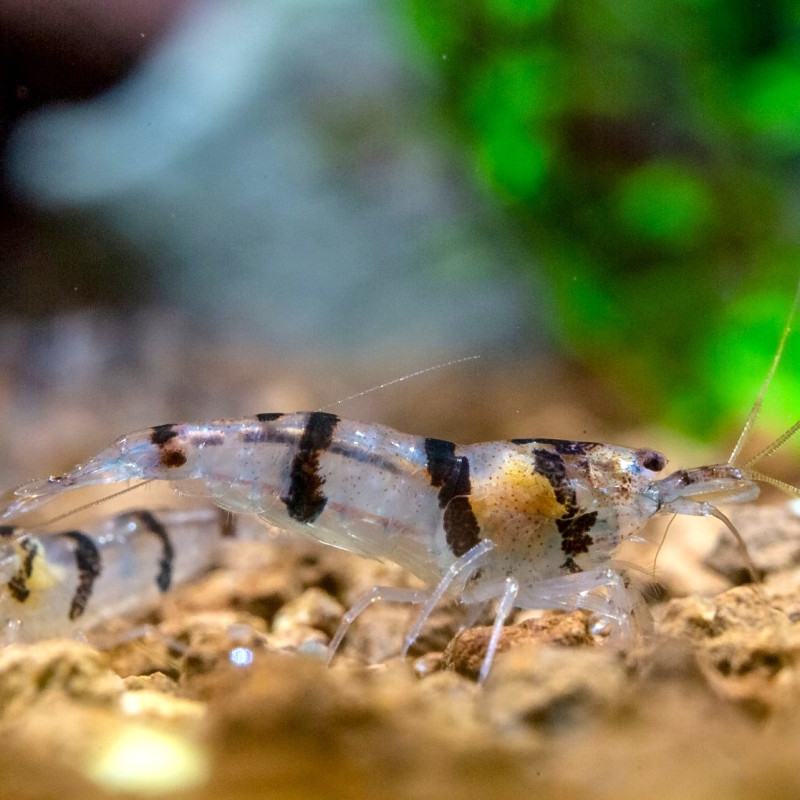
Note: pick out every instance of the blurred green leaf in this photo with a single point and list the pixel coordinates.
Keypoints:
(519, 12)
(664, 202)
(647, 155)
(771, 101)
(514, 162)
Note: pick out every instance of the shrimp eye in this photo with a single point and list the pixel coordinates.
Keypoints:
(655, 462)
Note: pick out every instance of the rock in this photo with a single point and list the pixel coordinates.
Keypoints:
(747, 648)
(466, 652)
(155, 705)
(301, 638)
(772, 534)
(55, 669)
(553, 689)
(313, 609)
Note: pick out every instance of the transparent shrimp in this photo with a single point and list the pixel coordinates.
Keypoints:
(62, 584)
(531, 523)
(534, 523)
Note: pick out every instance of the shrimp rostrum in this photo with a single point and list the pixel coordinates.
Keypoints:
(530, 523)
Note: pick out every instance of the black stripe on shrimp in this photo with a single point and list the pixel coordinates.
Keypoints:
(573, 526)
(18, 585)
(304, 500)
(165, 563)
(162, 436)
(87, 562)
(450, 474)
(269, 434)
(563, 447)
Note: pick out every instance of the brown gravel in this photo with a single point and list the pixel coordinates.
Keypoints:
(709, 706)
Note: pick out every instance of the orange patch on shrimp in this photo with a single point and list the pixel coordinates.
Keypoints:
(516, 488)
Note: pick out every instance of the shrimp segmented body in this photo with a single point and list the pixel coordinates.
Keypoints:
(532, 523)
(64, 583)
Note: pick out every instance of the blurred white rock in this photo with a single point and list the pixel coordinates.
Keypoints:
(279, 165)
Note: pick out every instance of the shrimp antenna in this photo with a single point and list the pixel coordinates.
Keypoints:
(755, 410)
(94, 503)
(661, 543)
(400, 380)
(787, 488)
(773, 446)
(740, 544)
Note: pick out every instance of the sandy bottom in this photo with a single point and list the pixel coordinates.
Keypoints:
(223, 693)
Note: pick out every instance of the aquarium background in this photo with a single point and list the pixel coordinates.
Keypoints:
(647, 154)
(607, 189)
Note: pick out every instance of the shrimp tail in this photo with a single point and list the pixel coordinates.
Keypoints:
(129, 458)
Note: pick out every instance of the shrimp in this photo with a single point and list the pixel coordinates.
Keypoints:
(529, 523)
(65, 583)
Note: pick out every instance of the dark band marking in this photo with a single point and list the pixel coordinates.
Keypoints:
(31, 548)
(165, 563)
(304, 500)
(363, 456)
(551, 465)
(227, 524)
(450, 474)
(18, 585)
(269, 417)
(682, 478)
(173, 458)
(460, 526)
(19, 591)
(6, 531)
(440, 458)
(573, 526)
(270, 435)
(87, 562)
(575, 538)
(563, 447)
(360, 454)
(161, 434)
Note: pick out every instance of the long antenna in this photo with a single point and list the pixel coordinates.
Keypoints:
(94, 503)
(787, 488)
(773, 446)
(754, 411)
(661, 543)
(740, 543)
(400, 380)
